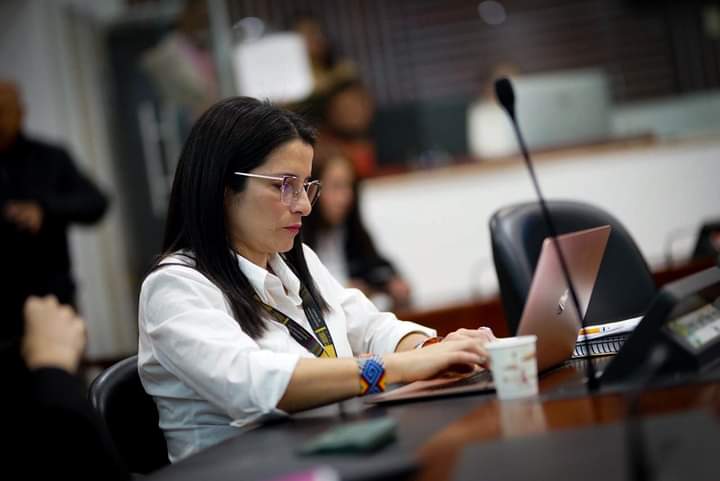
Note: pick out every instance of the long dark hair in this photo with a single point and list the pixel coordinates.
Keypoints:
(235, 134)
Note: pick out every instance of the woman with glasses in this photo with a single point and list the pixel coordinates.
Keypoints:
(239, 321)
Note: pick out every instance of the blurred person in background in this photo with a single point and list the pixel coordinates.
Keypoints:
(53, 429)
(347, 115)
(327, 67)
(490, 134)
(182, 67)
(41, 194)
(335, 230)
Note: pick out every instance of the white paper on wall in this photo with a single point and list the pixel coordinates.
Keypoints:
(275, 67)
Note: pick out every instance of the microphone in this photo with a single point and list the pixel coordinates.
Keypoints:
(506, 97)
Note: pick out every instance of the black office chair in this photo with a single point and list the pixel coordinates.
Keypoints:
(624, 287)
(131, 416)
(707, 244)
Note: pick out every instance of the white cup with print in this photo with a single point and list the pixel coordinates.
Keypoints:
(513, 363)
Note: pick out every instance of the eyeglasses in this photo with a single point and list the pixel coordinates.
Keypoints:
(291, 187)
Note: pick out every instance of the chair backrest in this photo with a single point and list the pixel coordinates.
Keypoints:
(708, 241)
(624, 285)
(131, 416)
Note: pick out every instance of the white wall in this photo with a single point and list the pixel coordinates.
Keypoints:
(25, 33)
(434, 225)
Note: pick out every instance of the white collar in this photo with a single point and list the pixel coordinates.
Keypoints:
(266, 283)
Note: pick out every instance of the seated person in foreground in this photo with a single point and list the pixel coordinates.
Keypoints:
(336, 232)
(239, 320)
(53, 428)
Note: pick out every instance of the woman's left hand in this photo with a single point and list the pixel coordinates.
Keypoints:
(482, 334)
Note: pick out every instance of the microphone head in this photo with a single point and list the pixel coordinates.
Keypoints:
(505, 95)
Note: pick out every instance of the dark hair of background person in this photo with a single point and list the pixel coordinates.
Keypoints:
(329, 57)
(364, 260)
(340, 122)
(316, 107)
(234, 135)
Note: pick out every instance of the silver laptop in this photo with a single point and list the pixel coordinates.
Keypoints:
(549, 314)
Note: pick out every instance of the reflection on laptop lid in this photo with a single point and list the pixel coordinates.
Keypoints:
(549, 313)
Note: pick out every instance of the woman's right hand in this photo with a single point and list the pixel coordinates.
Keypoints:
(435, 360)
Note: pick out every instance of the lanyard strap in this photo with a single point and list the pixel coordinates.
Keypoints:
(314, 316)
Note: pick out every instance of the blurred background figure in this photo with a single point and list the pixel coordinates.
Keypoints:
(50, 411)
(335, 230)
(347, 115)
(328, 68)
(181, 65)
(490, 135)
(340, 104)
(41, 194)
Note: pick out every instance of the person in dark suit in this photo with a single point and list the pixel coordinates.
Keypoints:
(51, 427)
(335, 230)
(41, 194)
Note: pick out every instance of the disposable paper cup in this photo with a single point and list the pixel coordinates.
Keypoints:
(514, 366)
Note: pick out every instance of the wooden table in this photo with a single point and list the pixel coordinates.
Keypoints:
(552, 411)
(433, 433)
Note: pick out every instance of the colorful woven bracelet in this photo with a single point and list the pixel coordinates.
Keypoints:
(372, 374)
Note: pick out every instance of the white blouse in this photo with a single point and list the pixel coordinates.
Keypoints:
(205, 372)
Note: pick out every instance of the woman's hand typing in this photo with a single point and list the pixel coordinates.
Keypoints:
(462, 353)
(481, 334)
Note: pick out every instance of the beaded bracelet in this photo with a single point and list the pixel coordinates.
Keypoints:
(372, 374)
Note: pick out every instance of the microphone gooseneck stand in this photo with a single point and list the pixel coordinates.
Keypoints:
(506, 96)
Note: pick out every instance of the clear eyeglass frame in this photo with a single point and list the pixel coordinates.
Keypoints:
(289, 192)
